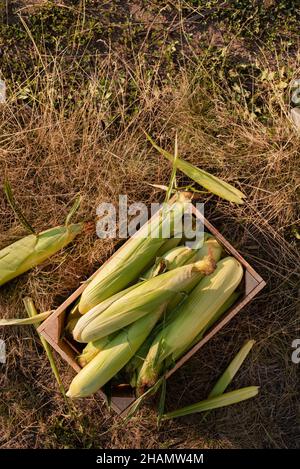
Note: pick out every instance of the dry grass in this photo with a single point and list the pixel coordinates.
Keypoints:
(53, 148)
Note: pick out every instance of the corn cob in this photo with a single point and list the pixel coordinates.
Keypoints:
(192, 317)
(72, 319)
(170, 260)
(169, 244)
(114, 356)
(34, 249)
(176, 257)
(134, 366)
(144, 298)
(227, 304)
(210, 247)
(92, 349)
(128, 263)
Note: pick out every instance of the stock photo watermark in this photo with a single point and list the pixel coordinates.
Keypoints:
(296, 352)
(130, 220)
(2, 352)
(295, 97)
(2, 92)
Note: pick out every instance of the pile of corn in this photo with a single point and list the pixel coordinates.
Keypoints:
(149, 305)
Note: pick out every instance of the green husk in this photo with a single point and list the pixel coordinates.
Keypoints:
(208, 181)
(113, 357)
(192, 317)
(229, 398)
(101, 308)
(232, 369)
(210, 247)
(36, 319)
(143, 299)
(128, 263)
(32, 250)
(11, 200)
(168, 245)
(177, 257)
(92, 349)
(134, 366)
(226, 305)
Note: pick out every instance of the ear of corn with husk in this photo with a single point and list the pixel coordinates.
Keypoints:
(114, 356)
(169, 244)
(134, 366)
(193, 315)
(34, 249)
(93, 348)
(227, 304)
(211, 248)
(172, 259)
(129, 261)
(140, 301)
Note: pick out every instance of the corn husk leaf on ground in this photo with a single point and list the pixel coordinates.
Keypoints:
(11, 200)
(192, 317)
(35, 319)
(132, 258)
(229, 398)
(232, 369)
(143, 299)
(203, 178)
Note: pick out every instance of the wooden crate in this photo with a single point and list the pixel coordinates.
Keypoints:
(122, 397)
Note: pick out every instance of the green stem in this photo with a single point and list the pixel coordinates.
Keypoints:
(32, 312)
(17, 211)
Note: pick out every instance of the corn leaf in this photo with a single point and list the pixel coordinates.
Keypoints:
(73, 210)
(232, 369)
(216, 402)
(162, 400)
(24, 322)
(140, 400)
(212, 183)
(11, 200)
(172, 183)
